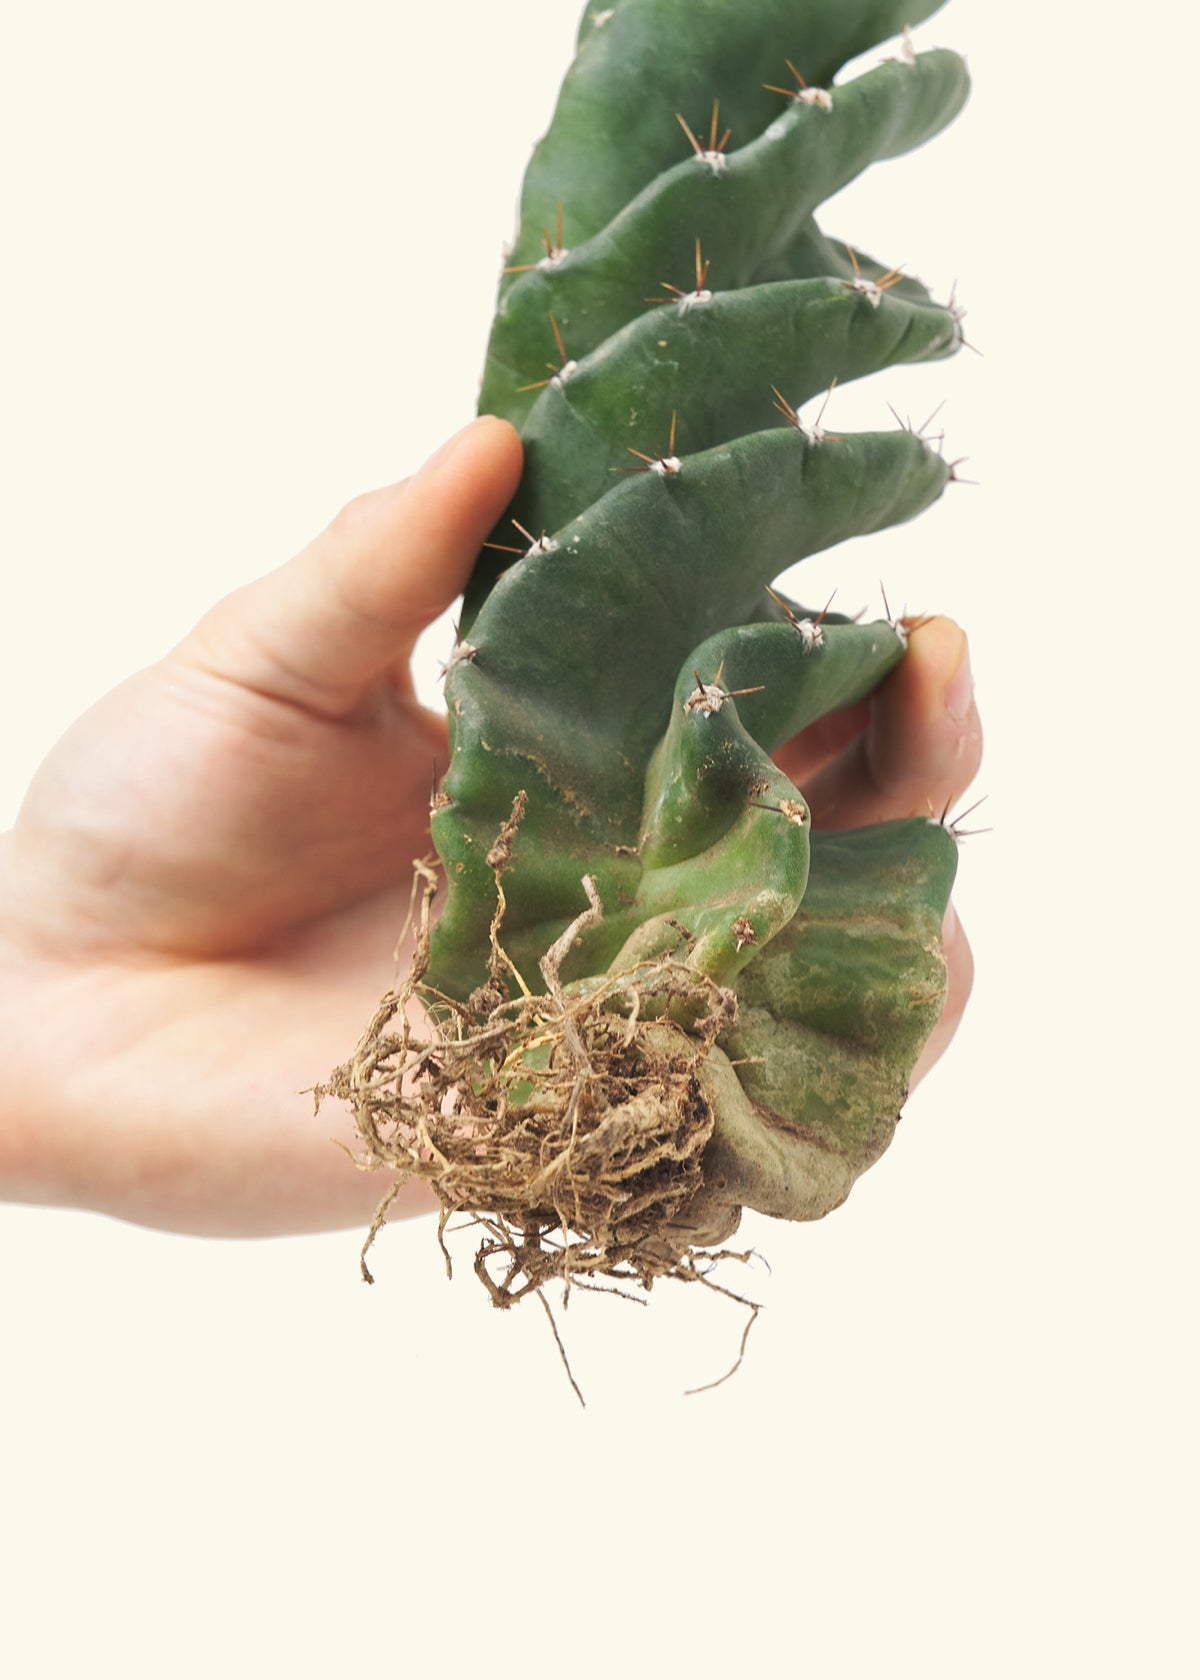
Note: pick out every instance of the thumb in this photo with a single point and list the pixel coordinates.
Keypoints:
(320, 629)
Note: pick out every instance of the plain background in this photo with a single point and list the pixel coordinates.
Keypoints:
(250, 253)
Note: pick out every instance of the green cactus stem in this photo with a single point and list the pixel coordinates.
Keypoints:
(744, 214)
(655, 995)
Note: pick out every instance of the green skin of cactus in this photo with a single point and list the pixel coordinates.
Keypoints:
(628, 670)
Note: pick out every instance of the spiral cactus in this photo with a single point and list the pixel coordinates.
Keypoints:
(624, 671)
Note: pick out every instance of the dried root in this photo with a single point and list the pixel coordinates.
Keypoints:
(568, 1127)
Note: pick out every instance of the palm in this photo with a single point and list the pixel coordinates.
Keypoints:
(193, 816)
(229, 874)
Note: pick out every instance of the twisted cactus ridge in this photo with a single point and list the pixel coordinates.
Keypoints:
(625, 671)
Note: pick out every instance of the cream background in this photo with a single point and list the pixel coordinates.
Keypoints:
(250, 256)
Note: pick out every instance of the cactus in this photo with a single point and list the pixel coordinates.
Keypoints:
(661, 997)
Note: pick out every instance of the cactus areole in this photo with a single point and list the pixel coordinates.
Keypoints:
(654, 995)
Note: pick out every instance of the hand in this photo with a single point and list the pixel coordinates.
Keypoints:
(201, 895)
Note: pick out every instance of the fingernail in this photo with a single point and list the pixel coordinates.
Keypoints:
(960, 690)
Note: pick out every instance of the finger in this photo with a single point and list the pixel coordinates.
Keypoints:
(806, 754)
(922, 744)
(960, 965)
(321, 628)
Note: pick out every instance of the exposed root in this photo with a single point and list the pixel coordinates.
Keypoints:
(568, 1126)
(562, 1350)
(755, 1309)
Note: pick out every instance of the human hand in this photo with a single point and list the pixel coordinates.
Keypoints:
(201, 895)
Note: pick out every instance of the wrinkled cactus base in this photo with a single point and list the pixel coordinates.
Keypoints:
(616, 1124)
(806, 1083)
(831, 1019)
